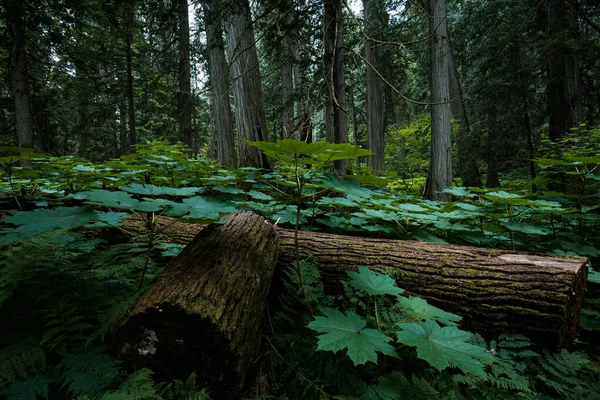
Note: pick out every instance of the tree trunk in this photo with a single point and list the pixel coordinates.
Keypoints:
(493, 178)
(301, 93)
(250, 116)
(204, 312)
(469, 172)
(440, 169)
(130, 96)
(222, 119)
(19, 68)
(336, 120)
(564, 96)
(286, 13)
(495, 291)
(186, 104)
(373, 9)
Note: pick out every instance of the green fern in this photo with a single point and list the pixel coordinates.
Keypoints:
(137, 386)
(30, 388)
(20, 358)
(88, 372)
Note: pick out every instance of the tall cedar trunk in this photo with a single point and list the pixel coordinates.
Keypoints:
(468, 170)
(527, 127)
(19, 68)
(493, 179)
(336, 120)
(495, 291)
(250, 116)
(440, 169)
(373, 10)
(206, 308)
(130, 94)
(186, 105)
(564, 97)
(81, 124)
(219, 93)
(304, 124)
(287, 69)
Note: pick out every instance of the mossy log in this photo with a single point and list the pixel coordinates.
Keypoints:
(203, 313)
(495, 291)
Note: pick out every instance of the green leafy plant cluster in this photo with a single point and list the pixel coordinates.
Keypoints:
(385, 344)
(390, 346)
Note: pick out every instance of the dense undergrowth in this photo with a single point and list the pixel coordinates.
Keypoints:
(63, 288)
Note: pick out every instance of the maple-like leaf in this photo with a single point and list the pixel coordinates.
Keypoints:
(444, 347)
(373, 283)
(349, 332)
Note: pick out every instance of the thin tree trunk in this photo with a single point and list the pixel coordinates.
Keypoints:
(336, 118)
(248, 99)
(186, 105)
(440, 170)
(469, 172)
(287, 69)
(493, 179)
(19, 67)
(375, 128)
(130, 97)
(564, 96)
(304, 125)
(221, 105)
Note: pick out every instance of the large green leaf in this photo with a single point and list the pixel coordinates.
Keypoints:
(43, 220)
(201, 208)
(444, 347)
(153, 190)
(107, 198)
(373, 283)
(350, 332)
(416, 308)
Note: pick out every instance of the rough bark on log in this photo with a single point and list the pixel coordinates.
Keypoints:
(203, 313)
(495, 291)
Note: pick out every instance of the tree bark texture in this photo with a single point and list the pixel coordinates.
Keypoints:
(468, 170)
(564, 75)
(19, 70)
(221, 105)
(186, 105)
(334, 76)
(493, 178)
(373, 10)
(495, 291)
(287, 69)
(250, 116)
(204, 311)
(132, 139)
(440, 169)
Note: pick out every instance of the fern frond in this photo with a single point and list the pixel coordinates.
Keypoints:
(27, 389)
(19, 359)
(137, 386)
(88, 372)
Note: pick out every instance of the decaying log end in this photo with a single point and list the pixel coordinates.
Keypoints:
(204, 312)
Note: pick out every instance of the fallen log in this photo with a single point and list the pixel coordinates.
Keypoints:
(203, 313)
(495, 291)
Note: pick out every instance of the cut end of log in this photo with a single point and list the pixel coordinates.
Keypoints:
(174, 344)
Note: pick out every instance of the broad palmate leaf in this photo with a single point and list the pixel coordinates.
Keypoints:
(418, 309)
(349, 332)
(444, 347)
(373, 283)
